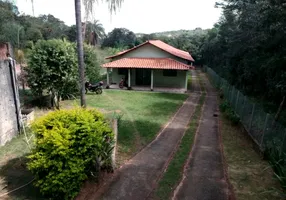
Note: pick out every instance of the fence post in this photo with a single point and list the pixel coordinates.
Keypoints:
(232, 92)
(233, 97)
(115, 131)
(219, 82)
(237, 97)
(243, 106)
(264, 129)
(252, 113)
(224, 91)
(228, 88)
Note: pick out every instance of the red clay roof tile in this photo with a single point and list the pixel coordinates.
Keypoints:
(148, 63)
(161, 45)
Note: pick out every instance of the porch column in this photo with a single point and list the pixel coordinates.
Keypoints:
(152, 79)
(186, 81)
(108, 81)
(129, 79)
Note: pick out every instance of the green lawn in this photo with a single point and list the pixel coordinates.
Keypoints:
(143, 114)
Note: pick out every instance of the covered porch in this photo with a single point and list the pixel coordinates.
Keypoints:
(155, 89)
(162, 75)
(148, 79)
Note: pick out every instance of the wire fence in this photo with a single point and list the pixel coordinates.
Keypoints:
(261, 126)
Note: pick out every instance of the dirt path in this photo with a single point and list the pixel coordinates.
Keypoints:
(137, 178)
(204, 177)
(195, 86)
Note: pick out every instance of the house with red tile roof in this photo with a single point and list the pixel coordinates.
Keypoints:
(152, 64)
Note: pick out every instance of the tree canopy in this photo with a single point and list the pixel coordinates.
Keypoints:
(120, 38)
(52, 68)
(247, 47)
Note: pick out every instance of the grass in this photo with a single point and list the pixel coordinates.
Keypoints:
(143, 114)
(13, 149)
(173, 175)
(251, 177)
(189, 81)
(13, 172)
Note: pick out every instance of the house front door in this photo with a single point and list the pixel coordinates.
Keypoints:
(143, 76)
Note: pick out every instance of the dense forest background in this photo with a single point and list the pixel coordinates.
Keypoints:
(247, 46)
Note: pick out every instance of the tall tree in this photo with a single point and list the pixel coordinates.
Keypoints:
(33, 8)
(80, 52)
(94, 32)
(120, 38)
(89, 8)
(247, 48)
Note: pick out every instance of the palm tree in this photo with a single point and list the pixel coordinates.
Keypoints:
(33, 9)
(89, 6)
(94, 32)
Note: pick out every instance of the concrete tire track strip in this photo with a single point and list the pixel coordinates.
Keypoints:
(204, 175)
(136, 179)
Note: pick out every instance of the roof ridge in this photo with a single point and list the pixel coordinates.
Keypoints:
(161, 45)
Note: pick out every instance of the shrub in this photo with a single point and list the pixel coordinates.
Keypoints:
(224, 106)
(229, 112)
(53, 68)
(92, 64)
(29, 44)
(221, 93)
(277, 160)
(232, 116)
(70, 146)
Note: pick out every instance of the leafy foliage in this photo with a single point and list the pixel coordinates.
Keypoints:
(33, 34)
(226, 108)
(245, 47)
(277, 159)
(52, 27)
(24, 28)
(52, 68)
(120, 38)
(71, 145)
(94, 32)
(92, 70)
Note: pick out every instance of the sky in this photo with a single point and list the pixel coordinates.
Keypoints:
(139, 16)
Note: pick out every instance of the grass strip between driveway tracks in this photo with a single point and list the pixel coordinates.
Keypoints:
(174, 172)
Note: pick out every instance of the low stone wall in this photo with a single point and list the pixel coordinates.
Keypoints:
(3, 51)
(9, 126)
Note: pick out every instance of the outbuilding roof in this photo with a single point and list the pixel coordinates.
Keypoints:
(163, 46)
(148, 63)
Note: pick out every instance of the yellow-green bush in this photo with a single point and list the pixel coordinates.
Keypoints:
(70, 146)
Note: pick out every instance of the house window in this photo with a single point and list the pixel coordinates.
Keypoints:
(172, 73)
(122, 71)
